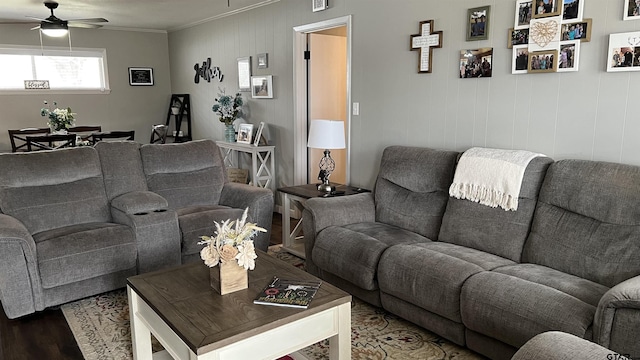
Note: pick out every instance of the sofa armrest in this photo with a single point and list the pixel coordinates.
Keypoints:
(154, 225)
(260, 204)
(611, 329)
(19, 280)
(556, 345)
(137, 202)
(320, 213)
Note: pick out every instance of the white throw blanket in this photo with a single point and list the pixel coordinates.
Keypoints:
(491, 177)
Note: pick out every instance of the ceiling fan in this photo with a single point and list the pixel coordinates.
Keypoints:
(56, 27)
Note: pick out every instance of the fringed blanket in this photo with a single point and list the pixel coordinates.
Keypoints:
(491, 177)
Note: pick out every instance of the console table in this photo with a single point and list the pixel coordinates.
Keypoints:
(262, 157)
(292, 242)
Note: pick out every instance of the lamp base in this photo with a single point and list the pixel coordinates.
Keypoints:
(325, 187)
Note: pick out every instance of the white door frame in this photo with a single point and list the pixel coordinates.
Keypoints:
(300, 96)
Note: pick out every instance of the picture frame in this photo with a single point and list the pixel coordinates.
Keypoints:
(544, 34)
(524, 12)
(319, 5)
(258, 136)
(631, 10)
(262, 87)
(520, 59)
(476, 63)
(517, 37)
(583, 35)
(478, 23)
(538, 61)
(245, 132)
(141, 76)
(263, 60)
(244, 73)
(572, 10)
(545, 8)
(624, 52)
(569, 56)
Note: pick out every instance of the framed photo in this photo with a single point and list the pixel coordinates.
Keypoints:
(544, 8)
(478, 23)
(543, 61)
(520, 60)
(140, 76)
(262, 87)
(244, 73)
(544, 34)
(263, 61)
(624, 52)
(631, 10)
(244, 133)
(517, 37)
(319, 5)
(572, 10)
(569, 56)
(256, 141)
(580, 30)
(523, 14)
(476, 63)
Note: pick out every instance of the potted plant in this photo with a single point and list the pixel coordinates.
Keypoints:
(59, 119)
(175, 106)
(228, 109)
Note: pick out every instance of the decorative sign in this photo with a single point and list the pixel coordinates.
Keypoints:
(140, 76)
(206, 72)
(36, 84)
(425, 42)
(319, 5)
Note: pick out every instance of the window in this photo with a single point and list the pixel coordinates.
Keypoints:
(77, 71)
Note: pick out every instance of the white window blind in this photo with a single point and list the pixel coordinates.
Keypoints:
(74, 71)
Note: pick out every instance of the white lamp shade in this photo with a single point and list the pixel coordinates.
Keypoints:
(326, 134)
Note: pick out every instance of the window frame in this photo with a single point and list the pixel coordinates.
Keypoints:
(57, 51)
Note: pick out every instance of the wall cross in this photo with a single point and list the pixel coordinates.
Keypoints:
(425, 42)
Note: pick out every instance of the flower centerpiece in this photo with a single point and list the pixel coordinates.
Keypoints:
(231, 250)
(59, 119)
(228, 108)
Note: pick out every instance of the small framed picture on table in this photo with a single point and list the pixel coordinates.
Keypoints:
(244, 133)
(256, 141)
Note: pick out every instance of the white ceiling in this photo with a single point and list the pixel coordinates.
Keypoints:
(164, 15)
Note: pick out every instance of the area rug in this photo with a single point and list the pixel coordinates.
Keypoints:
(100, 325)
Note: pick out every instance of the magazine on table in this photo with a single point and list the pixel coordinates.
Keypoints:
(292, 293)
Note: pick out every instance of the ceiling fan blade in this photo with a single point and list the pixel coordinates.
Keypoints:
(35, 28)
(12, 22)
(91, 20)
(84, 25)
(36, 18)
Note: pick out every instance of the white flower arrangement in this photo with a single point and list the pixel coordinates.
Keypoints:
(231, 243)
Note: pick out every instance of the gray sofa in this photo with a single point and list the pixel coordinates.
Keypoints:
(568, 259)
(78, 222)
(556, 345)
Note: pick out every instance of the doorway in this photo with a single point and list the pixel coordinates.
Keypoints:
(322, 90)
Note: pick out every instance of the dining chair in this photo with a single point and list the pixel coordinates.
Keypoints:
(50, 141)
(85, 132)
(18, 137)
(159, 134)
(113, 135)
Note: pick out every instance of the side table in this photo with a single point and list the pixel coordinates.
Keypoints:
(292, 242)
(262, 166)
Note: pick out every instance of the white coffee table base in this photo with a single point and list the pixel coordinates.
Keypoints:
(333, 324)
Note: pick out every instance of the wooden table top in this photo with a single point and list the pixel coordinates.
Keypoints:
(311, 190)
(206, 320)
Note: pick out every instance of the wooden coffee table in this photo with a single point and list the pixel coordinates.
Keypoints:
(192, 321)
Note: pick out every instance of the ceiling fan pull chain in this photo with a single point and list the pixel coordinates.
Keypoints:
(41, 48)
(69, 36)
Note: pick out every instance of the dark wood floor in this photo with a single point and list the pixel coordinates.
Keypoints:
(46, 335)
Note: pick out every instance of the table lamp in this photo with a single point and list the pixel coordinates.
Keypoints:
(326, 134)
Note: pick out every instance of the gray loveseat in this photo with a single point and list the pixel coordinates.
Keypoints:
(78, 222)
(568, 259)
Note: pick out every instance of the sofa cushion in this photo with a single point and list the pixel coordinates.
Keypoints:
(412, 188)
(352, 252)
(79, 252)
(495, 230)
(431, 275)
(197, 221)
(185, 174)
(121, 167)
(584, 208)
(515, 303)
(51, 189)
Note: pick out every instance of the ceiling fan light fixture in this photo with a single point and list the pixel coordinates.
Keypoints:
(54, 29)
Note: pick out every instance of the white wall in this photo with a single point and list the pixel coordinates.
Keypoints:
(126, 108)
(590, 114)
